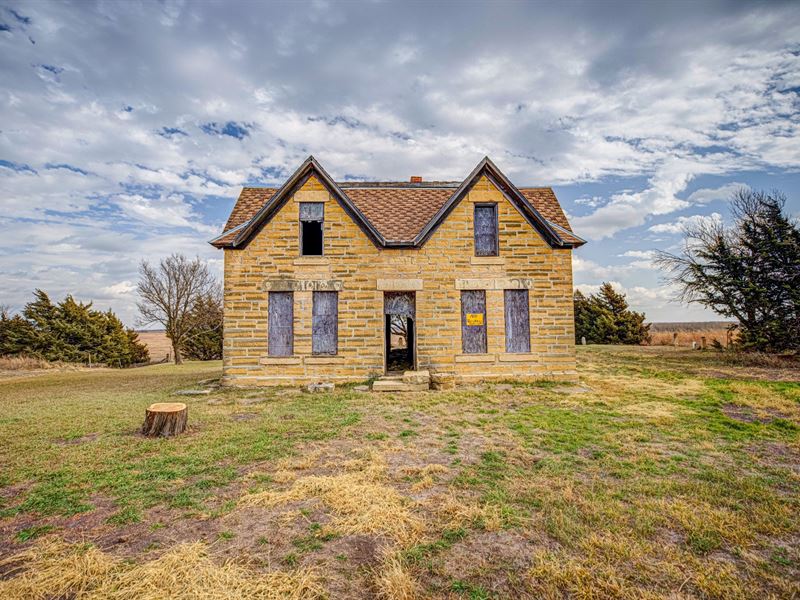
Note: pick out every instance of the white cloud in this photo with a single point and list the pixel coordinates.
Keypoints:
(639, 253)
(681, 223)
(123, 288)
(165, 211)
(723, 192)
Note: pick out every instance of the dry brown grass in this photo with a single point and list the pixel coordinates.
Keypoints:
(54, 569)
(360, 498)
(26, 363)
(685, 337)
(394, 581)
(455, 514)
(609, 566)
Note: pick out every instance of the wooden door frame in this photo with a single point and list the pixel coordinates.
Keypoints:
(387, 339)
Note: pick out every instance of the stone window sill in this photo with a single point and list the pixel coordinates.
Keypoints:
(474, 358)
(487, 260)
(323, 359)
(518, 357)
(311, 260)
(279, 360)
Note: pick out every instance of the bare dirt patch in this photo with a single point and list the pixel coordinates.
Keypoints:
(745, 414)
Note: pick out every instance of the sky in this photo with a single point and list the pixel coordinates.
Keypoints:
(128, 128)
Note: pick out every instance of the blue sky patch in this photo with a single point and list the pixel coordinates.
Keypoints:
(19, 17)
(169, 132)
(18, 167)
(54, 166)
(230, 129)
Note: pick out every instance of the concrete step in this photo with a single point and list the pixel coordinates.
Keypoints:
(394, 385)
(409, 381)
(417, 377)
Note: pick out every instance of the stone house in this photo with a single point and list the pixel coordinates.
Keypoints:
(345, 281)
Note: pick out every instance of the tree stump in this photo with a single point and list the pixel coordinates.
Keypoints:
(165, 419)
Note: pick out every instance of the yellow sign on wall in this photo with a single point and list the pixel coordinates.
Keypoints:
(475, 319)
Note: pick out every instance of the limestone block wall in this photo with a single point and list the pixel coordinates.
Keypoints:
(361, 272)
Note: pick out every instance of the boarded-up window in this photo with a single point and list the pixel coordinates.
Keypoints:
(325, 323)
(486, 230)
(311, 219)
(281, 329)
(473, 321)
(518, 329)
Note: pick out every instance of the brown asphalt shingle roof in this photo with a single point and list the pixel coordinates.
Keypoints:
(399, 214)
(250, 200)
(398, 210)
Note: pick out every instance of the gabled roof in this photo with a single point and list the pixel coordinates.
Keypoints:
(397, 214)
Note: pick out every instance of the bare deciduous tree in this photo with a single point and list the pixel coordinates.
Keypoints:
(167, 293)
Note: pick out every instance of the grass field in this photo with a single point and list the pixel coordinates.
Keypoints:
(663, 473)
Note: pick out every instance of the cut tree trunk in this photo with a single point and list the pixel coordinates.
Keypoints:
(165, 419)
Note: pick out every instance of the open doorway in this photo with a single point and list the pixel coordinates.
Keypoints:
(399, 331)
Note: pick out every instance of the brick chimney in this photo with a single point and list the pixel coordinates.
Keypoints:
(416, 179)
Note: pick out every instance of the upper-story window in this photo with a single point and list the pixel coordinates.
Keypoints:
(485, 224)
(311, 219)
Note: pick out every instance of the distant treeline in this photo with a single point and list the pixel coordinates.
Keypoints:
(691, 326)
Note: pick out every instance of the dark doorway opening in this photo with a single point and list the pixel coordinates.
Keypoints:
(399, 331)
(399, 343)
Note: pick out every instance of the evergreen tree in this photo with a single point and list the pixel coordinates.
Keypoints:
(604, 318)
(205, 323)
(749, 271)
(69, 331)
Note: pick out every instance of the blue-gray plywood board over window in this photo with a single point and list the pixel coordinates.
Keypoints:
(312, 211)
(281, 319)
(473, 309)
(485, 224)
(325, 323)
(518, 327)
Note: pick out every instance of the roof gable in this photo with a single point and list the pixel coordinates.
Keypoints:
(397, 214)
(309, 168)
(487, 168)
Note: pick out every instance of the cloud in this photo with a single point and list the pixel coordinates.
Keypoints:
(639, 253)
(121, 289)
(164, 211)
(723, 192)
(681, 223)
(592, 202)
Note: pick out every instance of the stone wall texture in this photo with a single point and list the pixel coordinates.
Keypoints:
(361, 271)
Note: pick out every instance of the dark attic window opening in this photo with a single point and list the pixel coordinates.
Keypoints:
(312, 238)
(311, 219)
